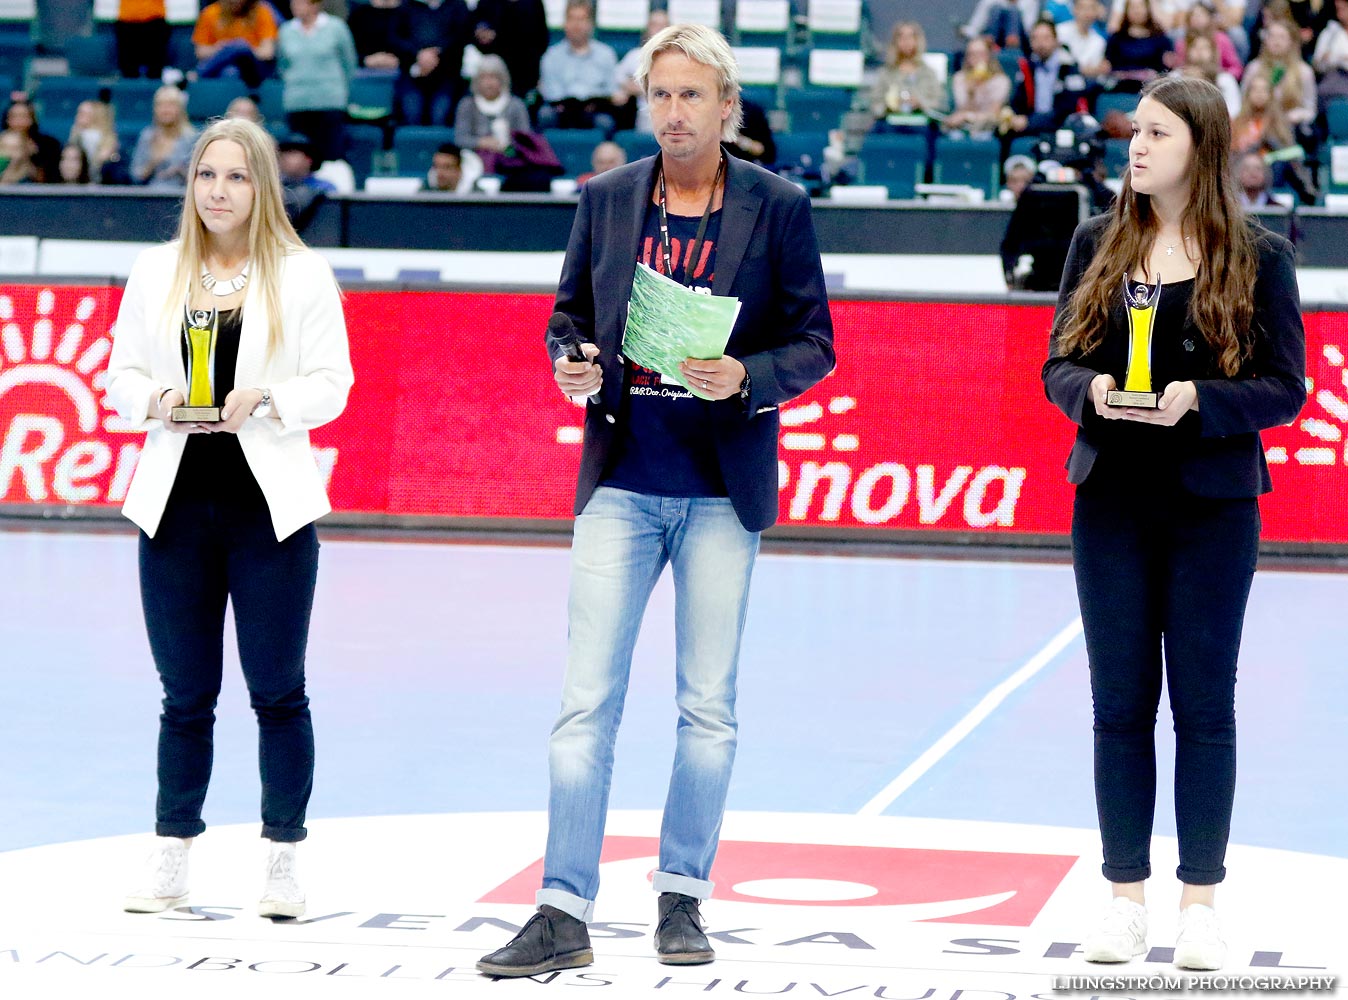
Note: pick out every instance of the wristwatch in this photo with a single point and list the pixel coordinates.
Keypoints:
(263, 408)
(744, 390)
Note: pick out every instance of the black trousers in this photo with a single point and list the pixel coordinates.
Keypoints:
(207, 552)
(1162, 571)
(141, 45)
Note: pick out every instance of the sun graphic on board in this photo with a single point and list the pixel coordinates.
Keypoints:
(1323, 418)
(72, 360)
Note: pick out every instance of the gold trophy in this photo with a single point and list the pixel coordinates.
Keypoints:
(1137, 389)
(202, 326)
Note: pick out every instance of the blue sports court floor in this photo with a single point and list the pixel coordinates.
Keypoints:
(911, 813)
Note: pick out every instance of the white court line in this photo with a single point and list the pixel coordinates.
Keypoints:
(966, 725)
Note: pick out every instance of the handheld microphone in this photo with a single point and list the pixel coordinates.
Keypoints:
(562, 330)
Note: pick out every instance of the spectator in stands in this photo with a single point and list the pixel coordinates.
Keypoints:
(629, 102)
(142, 35)
(488, 118)
(606, 156)
(754, 141)
(446, 173)
(1311, 17)
(1201, 19)
(1138, 51)
(1254, 182)
(302, 192)
(16, 159)
(1200, 61)
(95, 132)
(317, 59)
(45, 151)
(1019, 171)
(982, 91)
(1262, 127)
(1082, 37)
(1330, 61)
(246, 108)
(1049, 86)
(1293, 81)
(576, 76)
(74, 167)
(906, 85)
(375, 27)
(434, 34)
(517, 31)
(238, 38)
(164, 148)
(1006, 22)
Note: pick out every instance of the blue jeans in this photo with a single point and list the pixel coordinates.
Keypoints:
(621, 545)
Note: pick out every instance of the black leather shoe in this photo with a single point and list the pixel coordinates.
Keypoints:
(678, 936)
(551, 940)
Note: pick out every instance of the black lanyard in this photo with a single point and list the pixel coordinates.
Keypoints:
(666, 250)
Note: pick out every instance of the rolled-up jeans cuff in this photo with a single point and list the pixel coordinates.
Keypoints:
(1126, 874)
(698, 888)
(1190, 876)
(567, 902)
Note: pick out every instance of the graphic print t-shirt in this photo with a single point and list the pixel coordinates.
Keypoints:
(664, 444)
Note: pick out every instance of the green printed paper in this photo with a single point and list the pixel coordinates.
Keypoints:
(668, 323)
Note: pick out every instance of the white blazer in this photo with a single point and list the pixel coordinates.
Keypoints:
(309, 378)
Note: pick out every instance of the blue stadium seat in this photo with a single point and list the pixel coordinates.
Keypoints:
(1336, 113)
(899, 162)
(975, 162)
(1112, 100)
(765, 97)
(636, 144)
(573, 147)
(59, 96)
(269, 100)
(210, 98)
(371, 95)
(817, 108)
(414, 145)
(363, 143)
(16, 48)
(134, 101)
(800, 152)
(1116, 156)
(92, 55)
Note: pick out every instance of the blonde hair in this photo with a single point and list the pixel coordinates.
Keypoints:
(183, 125)
(105, 121)
(270, 235)
(892, 55)
(702, 45)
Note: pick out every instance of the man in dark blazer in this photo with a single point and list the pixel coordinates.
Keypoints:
(667, 476)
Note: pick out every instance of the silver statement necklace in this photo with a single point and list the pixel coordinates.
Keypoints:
(220, 288)
(1169, 248)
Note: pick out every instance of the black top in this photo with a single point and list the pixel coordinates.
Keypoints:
(1124, 52)
(213, 466)
(1216, 451)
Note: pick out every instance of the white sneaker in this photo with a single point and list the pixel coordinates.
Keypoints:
(1199, 945)
(283, 896)
(165, 884)
(1121, 935)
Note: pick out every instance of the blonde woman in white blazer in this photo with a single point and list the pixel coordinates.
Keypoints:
(226, 509)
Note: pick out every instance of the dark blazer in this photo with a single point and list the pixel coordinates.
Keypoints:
(767, 256)
(1226, 458)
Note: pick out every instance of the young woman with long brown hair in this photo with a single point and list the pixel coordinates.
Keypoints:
(226, 507)
(1165, 525)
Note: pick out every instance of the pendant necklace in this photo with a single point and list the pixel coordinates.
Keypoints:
(1169, 247)
(221, 288)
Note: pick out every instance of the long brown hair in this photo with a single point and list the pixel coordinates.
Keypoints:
(1222, 303)
(1276, 131)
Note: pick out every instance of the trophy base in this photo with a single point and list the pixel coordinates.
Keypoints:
(195, 414)
(1125, 397)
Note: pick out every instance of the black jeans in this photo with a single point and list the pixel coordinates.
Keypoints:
(1159, 569)
(204, 553)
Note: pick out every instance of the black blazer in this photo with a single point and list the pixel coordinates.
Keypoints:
(767, 256)
(1226, 458)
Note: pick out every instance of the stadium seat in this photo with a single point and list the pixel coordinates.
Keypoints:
(91, 55)
(1112, 100)
(813, 109)
(134, 101)
(210, 98)
(364, 142)
(414, 145)
(573, 147)
(763, 23)
(269, 100)
(765, 97)
(1336, 114)
(835, 24)
(974, 162)
(58, 96)
(636, 144)
(1116, 156)
(801, 152)
(371, 95)
(898, 162)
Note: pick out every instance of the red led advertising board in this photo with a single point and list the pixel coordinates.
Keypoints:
(934, 420)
